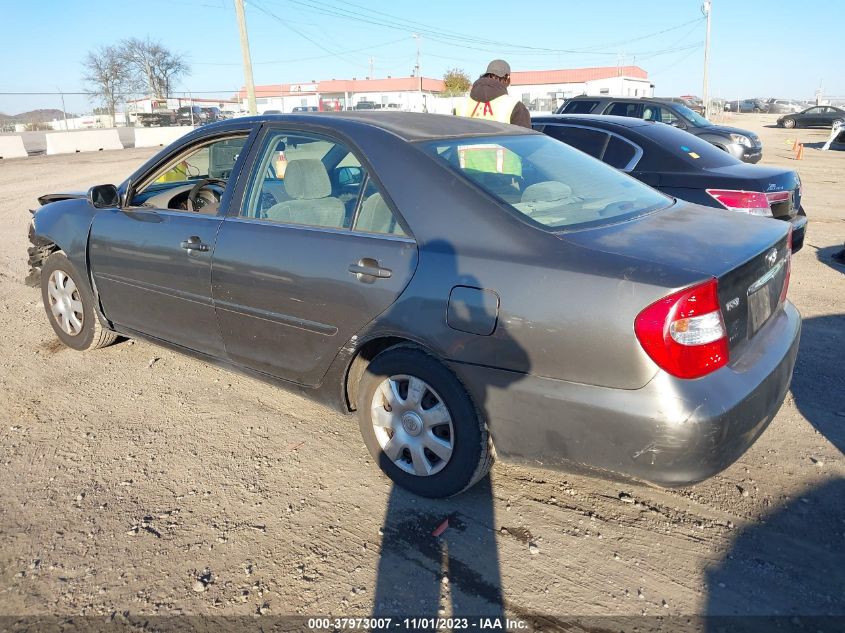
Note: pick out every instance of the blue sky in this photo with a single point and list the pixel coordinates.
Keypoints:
(759, 47)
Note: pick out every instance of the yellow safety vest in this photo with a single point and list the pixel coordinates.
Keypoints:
(499, 109)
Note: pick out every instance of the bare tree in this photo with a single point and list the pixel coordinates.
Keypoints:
(155, 68)
(107, 77)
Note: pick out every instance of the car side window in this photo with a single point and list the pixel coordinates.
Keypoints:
(590, 142)
(665, 116)
(619, 153)
(579, 107)
(625, 109)
(374, 216)
(169, 186)
(304, 179)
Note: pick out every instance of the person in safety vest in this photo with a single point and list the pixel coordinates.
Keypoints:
(489, 98)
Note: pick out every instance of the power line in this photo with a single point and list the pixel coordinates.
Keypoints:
(331, 52)
(305, 59)
(452, 37)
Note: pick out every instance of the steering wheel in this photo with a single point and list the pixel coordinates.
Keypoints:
(203, 198)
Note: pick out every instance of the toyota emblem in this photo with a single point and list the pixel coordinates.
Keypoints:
(772, 257)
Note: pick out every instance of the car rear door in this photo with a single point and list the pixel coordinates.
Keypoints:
(307, 260)
(151, 264)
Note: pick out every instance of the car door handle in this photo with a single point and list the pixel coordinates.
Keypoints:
(368, 267)
(194, 243)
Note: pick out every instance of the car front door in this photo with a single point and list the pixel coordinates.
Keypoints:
(312, 256)
(812, 117)
(151, 261)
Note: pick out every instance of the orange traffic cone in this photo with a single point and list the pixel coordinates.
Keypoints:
(795, 145)
(800, 153)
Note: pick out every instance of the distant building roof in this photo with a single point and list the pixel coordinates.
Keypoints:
(574, 75)
(388, 84)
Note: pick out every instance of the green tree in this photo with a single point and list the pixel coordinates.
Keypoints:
(457, 82)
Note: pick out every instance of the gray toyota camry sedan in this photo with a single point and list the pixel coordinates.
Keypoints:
(467, 288)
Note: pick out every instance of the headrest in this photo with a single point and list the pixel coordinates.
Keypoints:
(307, 179)
(549, 191)
(375, 215)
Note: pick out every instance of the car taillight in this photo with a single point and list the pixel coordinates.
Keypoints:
(753, 202)
(788, 265)
(778, 196)
(684, 333)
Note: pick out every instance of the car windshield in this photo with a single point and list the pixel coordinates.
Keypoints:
(692, 115)
(549, 182)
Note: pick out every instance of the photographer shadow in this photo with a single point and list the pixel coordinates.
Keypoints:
(427, 568)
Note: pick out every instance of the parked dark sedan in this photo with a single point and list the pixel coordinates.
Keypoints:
(739, 143)
(817, 116)
(461, 284)
(683, 166)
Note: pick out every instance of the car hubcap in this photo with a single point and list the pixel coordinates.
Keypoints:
(65, 303)
(412, 424)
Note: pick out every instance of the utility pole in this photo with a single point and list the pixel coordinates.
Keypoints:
(706, 9)
(64, 112)
(372, 76)
(417, 67)
(250, 84)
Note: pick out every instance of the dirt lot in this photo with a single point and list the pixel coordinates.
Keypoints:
(129, 473)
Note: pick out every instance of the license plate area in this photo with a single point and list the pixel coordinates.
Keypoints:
(763, 297)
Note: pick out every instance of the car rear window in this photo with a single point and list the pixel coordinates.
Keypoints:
(550, 183)
(579, 107)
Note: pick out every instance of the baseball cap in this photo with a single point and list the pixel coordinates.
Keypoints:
(499, 67)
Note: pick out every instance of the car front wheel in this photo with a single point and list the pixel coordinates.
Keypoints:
(70, 306)
(420, 425)
(789, 123)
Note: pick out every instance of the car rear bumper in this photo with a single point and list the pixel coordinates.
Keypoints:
(799, 229)
(670, 432)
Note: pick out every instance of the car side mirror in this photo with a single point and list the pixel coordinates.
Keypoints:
(349, 175)
(104, 196)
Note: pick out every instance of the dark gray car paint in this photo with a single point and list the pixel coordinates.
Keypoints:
(567, 303)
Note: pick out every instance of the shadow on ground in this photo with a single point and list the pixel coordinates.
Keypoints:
(833, 256)
(818, 383)
(788, 567)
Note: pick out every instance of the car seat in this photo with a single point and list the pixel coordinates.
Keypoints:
(307, 183)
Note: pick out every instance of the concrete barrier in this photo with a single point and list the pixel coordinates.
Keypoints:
(12, 147)
(87, 141)
(159, 136)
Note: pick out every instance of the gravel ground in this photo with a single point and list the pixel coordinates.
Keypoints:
(133, 479)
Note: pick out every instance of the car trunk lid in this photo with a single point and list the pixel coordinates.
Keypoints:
(747, 255)
(781, 186)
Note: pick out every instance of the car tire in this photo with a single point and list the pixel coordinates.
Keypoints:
(69, 305)
(389, 417)
(834, 123)
(789, 123)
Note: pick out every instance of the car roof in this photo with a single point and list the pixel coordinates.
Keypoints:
(598, 120)
(410, 126)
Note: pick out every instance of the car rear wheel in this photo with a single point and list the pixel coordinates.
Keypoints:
(420, 425)
(838, 122)
(789, 123)
(70, 306)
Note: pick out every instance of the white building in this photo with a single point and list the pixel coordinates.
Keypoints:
(399, 93)
(544, 90)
